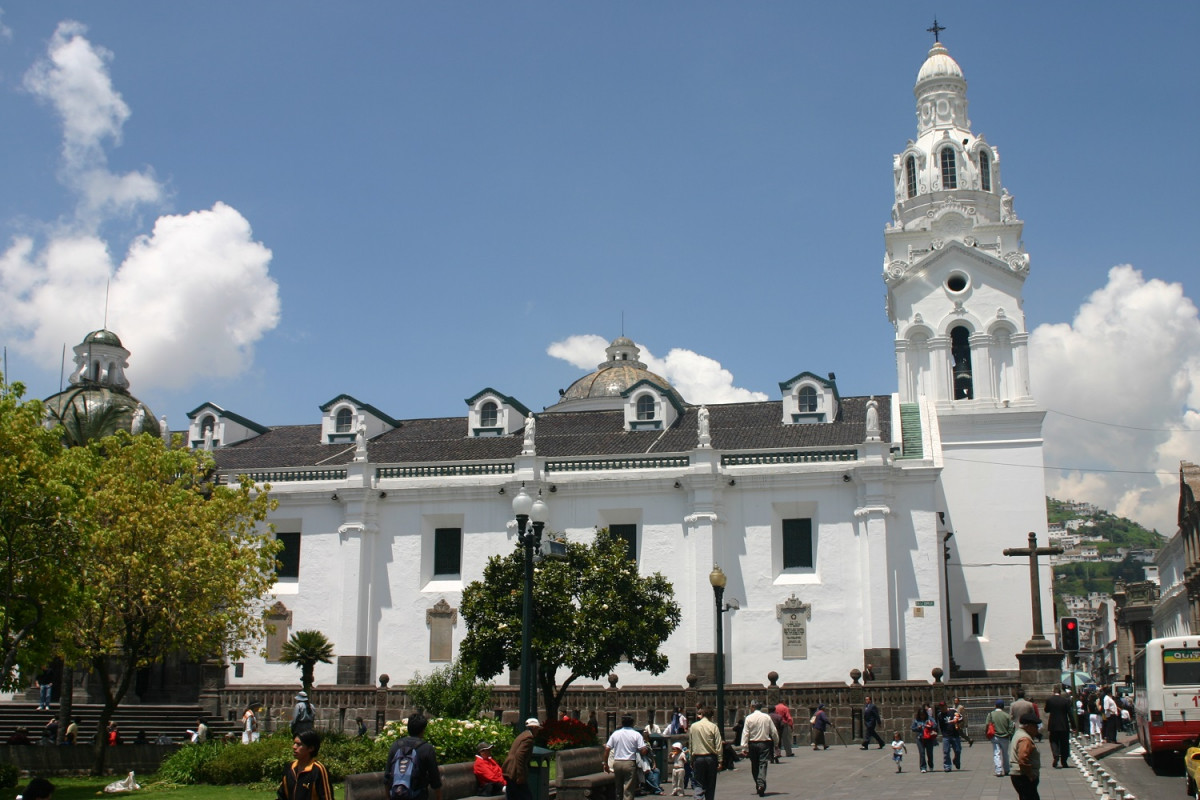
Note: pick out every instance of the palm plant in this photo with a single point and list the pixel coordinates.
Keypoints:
(83, 422)
(305, 649)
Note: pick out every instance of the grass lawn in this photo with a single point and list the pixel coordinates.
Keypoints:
(79, 788)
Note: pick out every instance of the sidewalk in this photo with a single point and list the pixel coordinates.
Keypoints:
(850, 773)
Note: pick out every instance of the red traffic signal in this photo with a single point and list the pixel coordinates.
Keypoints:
(1068, 634)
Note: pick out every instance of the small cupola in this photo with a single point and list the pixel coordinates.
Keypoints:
(212, 426)
(342, 415)
(494, 414)
(809, 399)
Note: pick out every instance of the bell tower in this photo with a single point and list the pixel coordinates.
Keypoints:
(955, 268)
(955, 264)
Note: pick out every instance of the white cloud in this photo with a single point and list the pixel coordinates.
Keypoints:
(5, 31)
(189, 300)
(698, 378)
(1131, 358)
(73, 78)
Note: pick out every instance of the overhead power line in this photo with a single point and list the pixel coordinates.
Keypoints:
(1119, 425)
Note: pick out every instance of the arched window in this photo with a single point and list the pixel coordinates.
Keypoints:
(488, 415)
(985, 171)
(96, 370)
(949, 169)
(806, 400)
(645, 407)
(208, 426)
(910, 175)
(345, 417)
(960, 351)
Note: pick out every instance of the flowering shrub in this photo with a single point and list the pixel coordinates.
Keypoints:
(456, 740)
(565, 734)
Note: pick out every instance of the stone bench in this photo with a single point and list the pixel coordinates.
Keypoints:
(458, 783)
(580, 775)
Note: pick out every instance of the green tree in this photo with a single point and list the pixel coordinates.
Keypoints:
(39, 535)
(81, 422)
(591, 610)
(453, 691)
(176, 564)
(305, 649)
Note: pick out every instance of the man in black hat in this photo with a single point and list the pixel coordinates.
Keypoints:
(1025, 759)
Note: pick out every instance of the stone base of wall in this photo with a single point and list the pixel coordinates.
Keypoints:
(77, 760)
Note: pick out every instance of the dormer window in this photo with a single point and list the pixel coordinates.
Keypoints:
(345, 419)
(645, 407)
(985, 171)
(949, 169)
(488, 415)
(806, 400)
(910, 175)
(208, 427)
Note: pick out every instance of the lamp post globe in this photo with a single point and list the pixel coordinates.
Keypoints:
(717, 579)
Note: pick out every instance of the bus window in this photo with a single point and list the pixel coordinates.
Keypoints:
(1181, 666)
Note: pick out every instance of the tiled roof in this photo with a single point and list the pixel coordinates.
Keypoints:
(580, 434)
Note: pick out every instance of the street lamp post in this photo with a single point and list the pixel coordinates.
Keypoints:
(529, 537)
(717, 579)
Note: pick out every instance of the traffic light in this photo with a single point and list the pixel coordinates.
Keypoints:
(1068, 634)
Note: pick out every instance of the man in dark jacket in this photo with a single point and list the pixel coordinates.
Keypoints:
(1059, 713)
(516, 766)
(427, 775)
(871, 720)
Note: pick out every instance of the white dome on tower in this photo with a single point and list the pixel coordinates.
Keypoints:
(939, 64)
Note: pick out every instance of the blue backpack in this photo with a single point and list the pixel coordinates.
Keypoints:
(404, 773)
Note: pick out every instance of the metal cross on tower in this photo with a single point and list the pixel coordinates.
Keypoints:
(1035, 586)
(936, 29)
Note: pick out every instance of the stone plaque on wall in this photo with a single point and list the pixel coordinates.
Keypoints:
(441, 619)
(279, 621)
(793, 617)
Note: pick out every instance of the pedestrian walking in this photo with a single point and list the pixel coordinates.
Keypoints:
(624, 745)
(924, 728)
(302, 714)
(706, 751)
(1058, 725)
(871, 719)
(759, 740)
(516, 765)
(45, 685)
(1002, 727)
(678, 769)
(785, 728)
(249, 726)
(963, 728)
(820, 723)
(1025, 758)
(898, 749)
(948, 722)
(413, 759)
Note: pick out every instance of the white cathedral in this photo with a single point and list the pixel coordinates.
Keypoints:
(852, 530)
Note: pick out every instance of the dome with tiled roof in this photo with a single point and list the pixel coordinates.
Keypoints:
(939, 64)
(618, 373)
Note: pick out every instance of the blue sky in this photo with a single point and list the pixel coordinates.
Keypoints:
(409, 202)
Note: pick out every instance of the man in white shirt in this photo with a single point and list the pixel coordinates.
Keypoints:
(1112, 716)
(759, 740)
(624, 745)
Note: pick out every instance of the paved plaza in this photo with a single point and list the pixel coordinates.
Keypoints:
(850, 773)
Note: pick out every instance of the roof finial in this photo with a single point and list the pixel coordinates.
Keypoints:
(935, 30)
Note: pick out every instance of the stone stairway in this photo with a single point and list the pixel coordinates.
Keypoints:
(171, 720)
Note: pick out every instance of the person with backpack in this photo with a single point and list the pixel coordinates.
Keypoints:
(302, 714)
(412, 768)
(305, 778)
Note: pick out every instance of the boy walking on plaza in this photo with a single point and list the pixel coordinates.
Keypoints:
(898, 749)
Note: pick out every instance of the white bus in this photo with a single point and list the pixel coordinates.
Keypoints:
(1166, 694)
